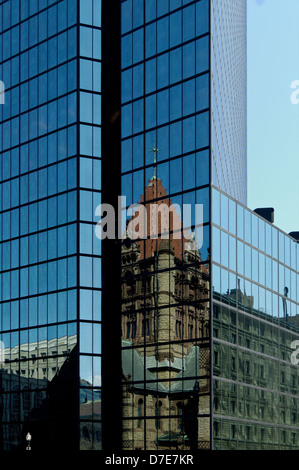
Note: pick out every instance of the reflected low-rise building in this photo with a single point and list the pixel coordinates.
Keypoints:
(30, 378)
(255, 322)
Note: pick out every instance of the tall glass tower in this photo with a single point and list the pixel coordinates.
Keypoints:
(183, 128)
(50, 137)
(165, 157)
(229, 97)
(180, 330)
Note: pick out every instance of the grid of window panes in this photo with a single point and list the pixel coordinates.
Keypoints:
(229, 101)
(38, 208)
(89, 246)
(255, 322)
(165, 159)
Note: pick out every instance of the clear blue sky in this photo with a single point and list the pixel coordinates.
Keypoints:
(273, 121)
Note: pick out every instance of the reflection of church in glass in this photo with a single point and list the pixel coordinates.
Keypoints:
(165, 331)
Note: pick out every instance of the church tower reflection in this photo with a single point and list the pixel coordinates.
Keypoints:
(165, 333)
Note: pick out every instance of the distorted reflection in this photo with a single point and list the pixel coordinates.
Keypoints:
(34, 371)
(255, 328)
(165, 331)
(90, 403)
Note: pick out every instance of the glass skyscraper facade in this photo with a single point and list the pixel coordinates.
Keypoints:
(255, 321)
(183, 127)
(182, 335)
(229, 97)
(165, 159)
(50, 185)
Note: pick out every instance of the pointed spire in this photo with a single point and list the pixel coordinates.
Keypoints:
(155, 151)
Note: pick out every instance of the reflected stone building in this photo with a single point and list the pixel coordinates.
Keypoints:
(31, 388)
(165, 329)
(255, 322)
(181, 343)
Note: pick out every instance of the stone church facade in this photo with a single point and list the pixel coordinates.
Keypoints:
(166, 338)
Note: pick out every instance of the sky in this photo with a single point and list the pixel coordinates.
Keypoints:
(273, 116)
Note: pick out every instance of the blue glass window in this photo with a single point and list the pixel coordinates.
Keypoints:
(175, 29)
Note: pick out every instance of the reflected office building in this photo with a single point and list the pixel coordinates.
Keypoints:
(179, 330)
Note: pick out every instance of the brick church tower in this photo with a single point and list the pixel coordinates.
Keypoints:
(165, 313)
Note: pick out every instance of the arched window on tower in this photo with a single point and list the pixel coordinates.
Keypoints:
(130, 284)
(158, 407)
(128, 330)
(131, 329)
(145, 327)
(134, 329)
(180, 416)
(140, 413)
(179, 329)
